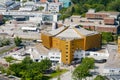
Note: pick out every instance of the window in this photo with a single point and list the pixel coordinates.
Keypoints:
(51, 57)
(95, 54)
(66, 45)
(66, 59)
(58, 57)
(111, 70)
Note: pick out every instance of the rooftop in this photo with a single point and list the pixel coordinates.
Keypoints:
(41, 49)
(71, 32)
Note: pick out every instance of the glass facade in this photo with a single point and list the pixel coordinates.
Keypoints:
(47, 17)
(66, 3)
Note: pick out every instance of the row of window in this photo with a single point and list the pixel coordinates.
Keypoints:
(55, 57)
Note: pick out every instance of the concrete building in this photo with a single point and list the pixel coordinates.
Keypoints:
(54, 7)
(39, 52)
(69, 39)
(118, 44)
(102, 21)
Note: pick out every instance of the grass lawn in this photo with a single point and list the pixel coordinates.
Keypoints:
(58, 73)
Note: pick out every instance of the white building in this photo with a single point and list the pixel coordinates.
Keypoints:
(39, 52)
(98, 55)
(45, 5)
(55, 55)
(28, 6)
(54, 7)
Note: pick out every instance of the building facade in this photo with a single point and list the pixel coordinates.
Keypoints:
(54, 7)
(70, 39)
(66, 3)
(118, 44)
(102, 21)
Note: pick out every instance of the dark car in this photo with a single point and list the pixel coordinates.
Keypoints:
(100, 61)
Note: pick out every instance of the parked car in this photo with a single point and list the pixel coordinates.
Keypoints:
(100, 61)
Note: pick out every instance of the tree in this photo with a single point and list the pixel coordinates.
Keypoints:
(88, 62)
(27, 60)
(114, 6)
(46, 63)
(40, 8)
(29, 70)
(9, 59)
(107, 36)
(17, 41)
(99, 77)
(5, 41)
(82, 71)
(75, 1)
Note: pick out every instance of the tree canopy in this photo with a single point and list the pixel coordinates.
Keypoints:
(82, 71)
(107, 36)
(29, 70)
(17, 41)
(99, 77)
(81, 6)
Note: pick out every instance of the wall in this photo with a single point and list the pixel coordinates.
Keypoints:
(67, 48)
(119, 44)
(92, 41)
(110, 21)
(107, 29)
(46, 40)
(96, 15)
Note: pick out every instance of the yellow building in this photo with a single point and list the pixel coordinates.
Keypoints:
(69, 39)
(118, 44)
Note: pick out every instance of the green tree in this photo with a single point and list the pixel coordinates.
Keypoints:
(107, 36)
(5, 41)
(17, 41)
(75, 1)
(27, 60)
(40, 8)
(9, 59)
(88, 62)
(46, 63)
(114, 6)
(99, 77)
(82, 71)
(29, 70)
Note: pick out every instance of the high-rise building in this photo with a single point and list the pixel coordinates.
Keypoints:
(70, 39)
